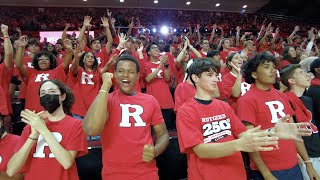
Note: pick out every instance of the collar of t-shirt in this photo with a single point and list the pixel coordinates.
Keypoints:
(204, 102)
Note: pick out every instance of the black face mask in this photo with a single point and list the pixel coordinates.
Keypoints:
(50, 102)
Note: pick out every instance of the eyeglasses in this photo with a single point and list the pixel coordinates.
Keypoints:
(154, 47)
(44, 59)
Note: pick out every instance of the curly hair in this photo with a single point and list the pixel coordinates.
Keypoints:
(69, 100)
(53, 60)
(95, 64)
(252, 65)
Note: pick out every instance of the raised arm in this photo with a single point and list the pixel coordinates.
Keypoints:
(64, 33)
(290, 38)
(97, 114)
(110, 63)
(213, 33)
(105, 24)
(130, 27)
(238, 36)
(86, 23)
(198, 33)
(67, 43)
(23, 42)
(8, 50)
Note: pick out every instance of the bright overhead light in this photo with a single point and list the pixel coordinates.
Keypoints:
(154, 30)
(244, 6)
(188, 3)
(85, 0)
(155, 1)
(164, 30)
(121, 0)
(218, 4)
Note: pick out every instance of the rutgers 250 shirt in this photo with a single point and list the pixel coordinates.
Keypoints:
(213, 123)
(126, 132)
(260, 107)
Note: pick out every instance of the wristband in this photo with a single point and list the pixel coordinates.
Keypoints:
(5, 37)
(190, 47)
(308, 161)
(33, 138)
(104, 91)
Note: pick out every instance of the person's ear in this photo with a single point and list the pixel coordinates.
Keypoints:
(254, 75)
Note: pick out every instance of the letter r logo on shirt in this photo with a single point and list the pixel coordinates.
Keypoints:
(42, 77)
(125, 116)
(276, 108)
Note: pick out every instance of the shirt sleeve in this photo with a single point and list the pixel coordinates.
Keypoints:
(246, 111)
(156, 115)
(77, 140)
(236, 125)
(189, 131)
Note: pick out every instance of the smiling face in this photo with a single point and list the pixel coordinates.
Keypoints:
(126, 75)
(154, 51)
(44, 62)
(88, 60)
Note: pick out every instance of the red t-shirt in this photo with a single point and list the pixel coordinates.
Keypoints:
(34, 79)
(102, 55)
(227, 84)
(224, 54)
(7, 144)
(193, 56)
(126, 131)
(41, 162)
(183, 93)
(260, 107)
(85, 86)
(158, 87)
(213, 123)
(6, 75)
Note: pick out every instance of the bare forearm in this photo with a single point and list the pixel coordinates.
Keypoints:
(18, 160)
(216, 150)
(109, 40)
(8, 52)
(152, 75)
(97, 114)
(161, 144)
(258, 161)
(61, 154)
(236, 88)
(167, 74)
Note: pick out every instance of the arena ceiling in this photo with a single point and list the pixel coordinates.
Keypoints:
(207, 5)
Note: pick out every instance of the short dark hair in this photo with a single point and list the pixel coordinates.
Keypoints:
(148, 48)
(127, 57)
(33, 41)
(53, 60)
(95, 64)
(201, 65)
(95, 39)
(69, 100)
(287, 73)
(252, 64)
(212, 53)
(315, 64)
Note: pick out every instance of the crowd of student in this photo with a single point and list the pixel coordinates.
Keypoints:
(210, 88)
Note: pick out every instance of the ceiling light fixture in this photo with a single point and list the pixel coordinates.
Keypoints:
(121, 1)
(188, 3)
(155, 1)
(218, 4)
(245, 6)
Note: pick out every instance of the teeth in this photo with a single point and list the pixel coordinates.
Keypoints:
(125, 80)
